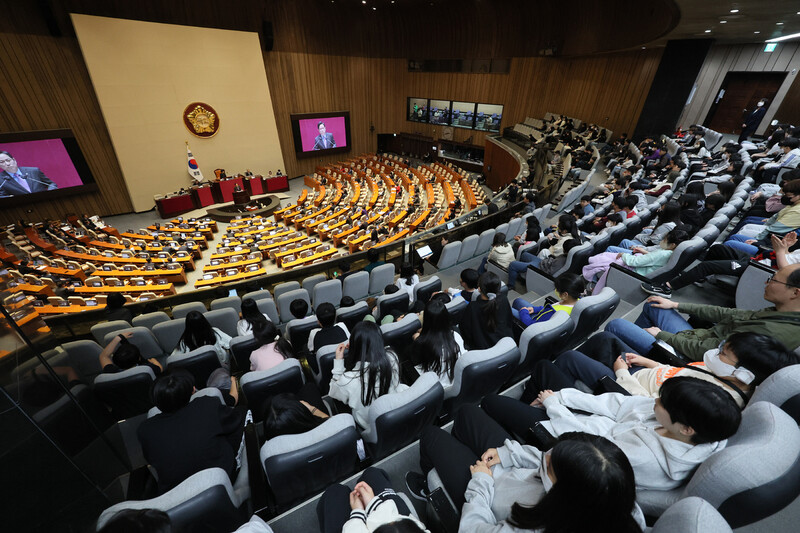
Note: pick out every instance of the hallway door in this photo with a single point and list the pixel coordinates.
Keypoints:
(738, 96)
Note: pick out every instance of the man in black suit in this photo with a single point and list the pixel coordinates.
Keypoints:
(753, 119)
(323, 141)
(16, 180)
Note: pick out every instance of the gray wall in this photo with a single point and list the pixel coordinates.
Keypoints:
(722, 59)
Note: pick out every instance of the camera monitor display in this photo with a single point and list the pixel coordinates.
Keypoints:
(321, 133)
(41, 165)
(418, 109)
(439, 112)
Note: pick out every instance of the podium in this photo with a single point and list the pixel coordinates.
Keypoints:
(241, 197)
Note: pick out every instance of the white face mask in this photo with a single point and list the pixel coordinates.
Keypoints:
(546, 481)
(760, 104)
(722, 369)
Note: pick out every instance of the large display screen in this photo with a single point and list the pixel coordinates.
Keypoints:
(468, 115)
(41, 165)
(321, 133)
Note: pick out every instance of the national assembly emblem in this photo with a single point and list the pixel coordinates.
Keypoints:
(201, 119)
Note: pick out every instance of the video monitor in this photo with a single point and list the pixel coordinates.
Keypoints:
(317, 134)
(417, 109)
(488, 117)
(439, 112)
(41, 165)
(463, 114)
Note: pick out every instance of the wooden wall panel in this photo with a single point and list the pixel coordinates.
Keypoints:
(44, 84)
(609, 90)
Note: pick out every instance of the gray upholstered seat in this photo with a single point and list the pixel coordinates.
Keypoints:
(261, 385)
(468, 246)
(310, 282)
(691, 515)
(241, 348)
(83, 357)
(353, 314)
(325, 356)
(306, 463)
(142, 338)
(169, 333)
(148, 320)
(101, 331)
(380, 277)
(204, 500)
(782, 389)
(201, 362)
(399, 334)
(298, 331)
(589, 314)
(543, 340)
(180, 311)
(268, 307)
(233, 302)
(481, 372)
(126, 393)
(450, 254)
(226, 319)
(425, 289)
(285, 287)
(484, 242)
(395, 304)
(395, 420)
(327, 292)
(356, 286)
(456, 307)
(258, 295)
(201, 393)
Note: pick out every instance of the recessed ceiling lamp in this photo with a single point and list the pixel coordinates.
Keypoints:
(734, 10)
(723, 21)
(708, 31)
(779, 23)
(756, 32)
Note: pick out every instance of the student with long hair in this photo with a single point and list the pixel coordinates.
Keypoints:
(407, 280)
(488, 319)
(363, 370)
(274, 347)
(501, 253)
(250, 316)
(199, 332)
(287, 414)
(502, 485)
(437, 347)
(121, 355)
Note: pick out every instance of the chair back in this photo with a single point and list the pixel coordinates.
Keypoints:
(356, 286)
(425, 289)
(142, 338)
(352, 315)
(286, 299)
(327, 292)
(233, 302)
(481, 372)
(241, 348)
(484, 242)
(200, 362)
(691, 515)
(226, 319)
(589, 314)
(399, 334)
(282, 288)
(380, 277)
(299, 329)
(782, 389)
(450, 254)
(168, 334)
(148, 320)
(126, 393)
(544, 340)
(180, 311)
(261, 385)
(395, 304)
(102, 330)
(468, 247)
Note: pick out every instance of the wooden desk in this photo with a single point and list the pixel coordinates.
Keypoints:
(168, 288)
(298, 223)
(268, 247)
(396, 237)
(237, 264)
(280, 256)
(324, 233)
(28, 288)
(419, 220)
(339, 237)
(173, 276)
(355, 244)
(310, 259)
(396, 220)
(311, 226)
(64, 272)
(219, 280)
(429, 193)
(185, 261)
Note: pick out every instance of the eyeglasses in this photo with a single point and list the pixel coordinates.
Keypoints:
(772, 279)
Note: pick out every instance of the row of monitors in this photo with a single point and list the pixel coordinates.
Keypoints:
(469, 115)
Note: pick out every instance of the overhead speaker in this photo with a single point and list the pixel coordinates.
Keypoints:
(267, 37)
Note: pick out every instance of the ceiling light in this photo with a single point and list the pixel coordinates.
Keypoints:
(734, 10)
(708, 31)
(723, 21)
(779, 23)
(756, 32)
(784, 38)
(374, 8)
(363, 1)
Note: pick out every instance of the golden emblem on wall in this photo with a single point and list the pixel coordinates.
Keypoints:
(201, 119)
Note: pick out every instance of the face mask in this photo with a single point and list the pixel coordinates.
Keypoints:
(719, 368)
(785, 200)
(609, 224)
(546, 481)
(760, 104)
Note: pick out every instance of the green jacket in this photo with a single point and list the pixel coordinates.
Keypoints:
(693, 343)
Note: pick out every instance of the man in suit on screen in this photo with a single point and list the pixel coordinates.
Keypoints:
(16, 180)
(323, 141)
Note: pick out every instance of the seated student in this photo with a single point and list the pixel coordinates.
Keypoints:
(329, 332)
(274, 348)
(660, 320)
(743, 362)
(501, 253)
(199, 332)
(531, 235)
(569, 287)
(188, 436)
(437, 346)
(752, 236)
(408, 280)
(250, 315)
(290, 414)
(668, 218)
(665, 438)
(372, 506)
(501, 485)
(373, 256)
(298, 308)
(586, 204)
(469, 284)
(121, 355)
(115, 309)
(643, 261)
(365, 372)
(394, 311)
(488, 318)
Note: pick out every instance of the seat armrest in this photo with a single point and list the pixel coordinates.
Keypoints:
(627, 284)
(607, 384)
(538, 281)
